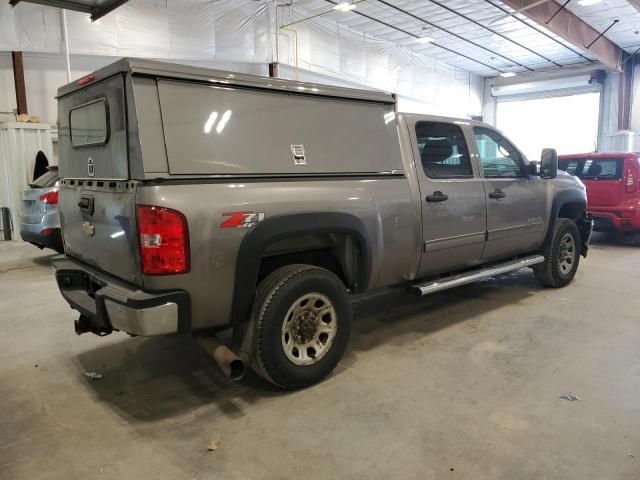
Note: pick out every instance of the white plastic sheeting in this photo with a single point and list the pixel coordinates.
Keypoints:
(227, 30)
(244, 31)
(19, 144)
(423, 84)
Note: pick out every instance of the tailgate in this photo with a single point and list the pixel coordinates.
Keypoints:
(99, 225)
(602, 175)
(604, 193)
(97, 199)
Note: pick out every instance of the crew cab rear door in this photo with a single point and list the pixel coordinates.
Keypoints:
(516, 201)
(452, 196)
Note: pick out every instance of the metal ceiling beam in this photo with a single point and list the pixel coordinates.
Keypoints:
(573, 29)
(492, 52)
(77, 6)
(413, 35)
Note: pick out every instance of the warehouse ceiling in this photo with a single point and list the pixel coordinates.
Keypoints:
(478, 35)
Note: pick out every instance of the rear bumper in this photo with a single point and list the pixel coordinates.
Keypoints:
(110, 304)
(615, 220)
(53, 239)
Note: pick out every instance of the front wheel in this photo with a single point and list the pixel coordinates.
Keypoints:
(561, 255)
(303, 319)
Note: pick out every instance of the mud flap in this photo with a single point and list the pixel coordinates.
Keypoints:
(585, 226)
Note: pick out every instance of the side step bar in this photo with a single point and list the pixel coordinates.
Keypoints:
(474, 275)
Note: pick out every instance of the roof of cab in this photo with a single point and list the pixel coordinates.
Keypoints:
(157, 69)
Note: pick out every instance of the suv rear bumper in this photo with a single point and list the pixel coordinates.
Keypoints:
(52, 238)
(611, 220)
(109, 304)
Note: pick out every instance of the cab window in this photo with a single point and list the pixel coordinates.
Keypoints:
(443, 150)
(498, 157)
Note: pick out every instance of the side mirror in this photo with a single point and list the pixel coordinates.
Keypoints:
(549, 163)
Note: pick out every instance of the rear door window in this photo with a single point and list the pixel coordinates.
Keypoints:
(89, 124)
(602, 168)
(443, 150)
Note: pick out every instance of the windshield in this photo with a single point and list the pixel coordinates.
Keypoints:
(601, 168)
(47, 180)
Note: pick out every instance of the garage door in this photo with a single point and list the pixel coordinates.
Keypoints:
(567, 123)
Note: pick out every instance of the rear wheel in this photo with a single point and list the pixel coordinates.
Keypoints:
(303, 319)
(562, 255)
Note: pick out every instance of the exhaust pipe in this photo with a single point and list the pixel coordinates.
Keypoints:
(230, 364)
(82, 325)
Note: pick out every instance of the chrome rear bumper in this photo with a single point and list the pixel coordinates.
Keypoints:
(109, 304)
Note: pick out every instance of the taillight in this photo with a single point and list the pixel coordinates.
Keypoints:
(164, 241)
(50, 198)
(631, 183)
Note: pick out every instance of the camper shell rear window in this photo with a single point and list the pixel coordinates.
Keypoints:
(89, 124)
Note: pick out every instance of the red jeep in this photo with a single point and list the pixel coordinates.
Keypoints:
(613, 188)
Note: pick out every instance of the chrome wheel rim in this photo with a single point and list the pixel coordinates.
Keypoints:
(567, 255)
(309, 328)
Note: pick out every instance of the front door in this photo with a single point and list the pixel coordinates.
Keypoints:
(516, 202)
(452, 197)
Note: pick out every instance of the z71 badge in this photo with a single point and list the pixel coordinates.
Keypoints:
(242, 219)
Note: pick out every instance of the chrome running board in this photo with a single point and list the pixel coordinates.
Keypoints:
(474, 275)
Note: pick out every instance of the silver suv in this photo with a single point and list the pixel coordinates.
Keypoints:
(39, 219)
(195, 200)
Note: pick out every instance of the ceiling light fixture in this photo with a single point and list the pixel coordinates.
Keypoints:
(424, 39)
(508, 74)
(586, 3)
(345, 7)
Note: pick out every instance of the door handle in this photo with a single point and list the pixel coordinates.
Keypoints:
(497, 194)
(437, 197)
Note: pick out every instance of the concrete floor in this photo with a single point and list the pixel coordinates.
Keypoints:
(461, 385)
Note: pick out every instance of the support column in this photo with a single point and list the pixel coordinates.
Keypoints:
(18, 79)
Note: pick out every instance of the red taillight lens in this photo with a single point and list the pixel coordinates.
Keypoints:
(631, 184)
(50, 198)
(164, 241)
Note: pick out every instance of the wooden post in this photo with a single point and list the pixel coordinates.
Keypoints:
(18, 78)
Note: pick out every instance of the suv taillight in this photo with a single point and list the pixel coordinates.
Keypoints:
(631, 183)
(50, 198)
(164, 241)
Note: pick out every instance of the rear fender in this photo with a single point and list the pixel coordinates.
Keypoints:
(279, 227)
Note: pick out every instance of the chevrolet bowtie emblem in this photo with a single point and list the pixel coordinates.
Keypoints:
(89, 229)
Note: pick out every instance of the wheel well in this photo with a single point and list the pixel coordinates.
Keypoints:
(571, 210)
(339, 253)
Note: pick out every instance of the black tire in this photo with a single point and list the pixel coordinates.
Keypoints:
(277, 294)
(550, 273)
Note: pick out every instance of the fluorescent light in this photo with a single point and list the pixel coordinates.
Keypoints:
(586, 3)
(345, 7)
(508, 74)
(424, 39)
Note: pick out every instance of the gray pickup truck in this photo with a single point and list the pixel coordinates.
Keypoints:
(196, 200)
